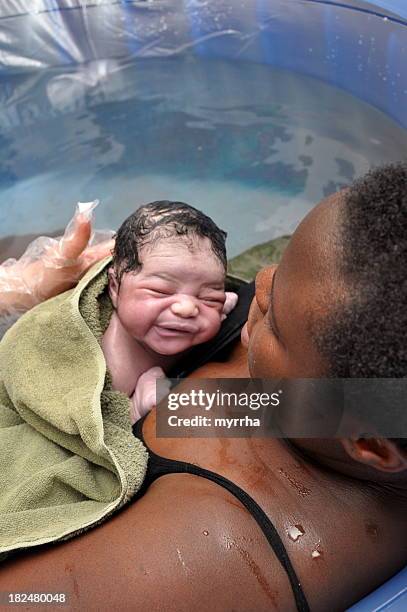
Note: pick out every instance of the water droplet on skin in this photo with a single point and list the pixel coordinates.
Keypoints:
(206, 533)
(295, 532)
(317, 552)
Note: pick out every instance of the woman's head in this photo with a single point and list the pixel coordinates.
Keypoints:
(292, 297)
(364, 336)
(336, 304)
(339, 295)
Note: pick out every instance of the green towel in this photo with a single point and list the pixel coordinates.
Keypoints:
(68, 457)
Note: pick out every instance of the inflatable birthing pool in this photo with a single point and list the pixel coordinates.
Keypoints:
(252, 110)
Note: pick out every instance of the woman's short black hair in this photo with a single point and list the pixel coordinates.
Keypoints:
(159, 220)
(365, 335)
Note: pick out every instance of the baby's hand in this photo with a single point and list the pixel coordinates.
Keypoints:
(230, 303)
(144, 396)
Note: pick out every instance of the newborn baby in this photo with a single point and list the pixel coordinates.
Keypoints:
(167, 286)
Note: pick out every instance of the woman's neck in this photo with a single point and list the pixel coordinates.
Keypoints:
(330, 455)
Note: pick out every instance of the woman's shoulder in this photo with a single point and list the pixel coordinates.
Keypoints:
(188, 544)
(329, 526)
(180, 547)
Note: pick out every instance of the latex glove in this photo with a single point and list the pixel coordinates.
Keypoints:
(144, 397)
(50, 266)
(230, 303)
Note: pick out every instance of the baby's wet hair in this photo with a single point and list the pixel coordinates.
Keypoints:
(163, 220)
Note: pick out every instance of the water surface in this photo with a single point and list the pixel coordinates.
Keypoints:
(252, 146)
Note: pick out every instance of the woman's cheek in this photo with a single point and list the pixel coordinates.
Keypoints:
(263, 352)
(254, 316)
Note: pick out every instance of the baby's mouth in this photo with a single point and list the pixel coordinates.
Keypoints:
(177, 328)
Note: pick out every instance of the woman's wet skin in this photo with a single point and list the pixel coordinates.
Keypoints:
(191, 544)
(288, 298)
(291, 296)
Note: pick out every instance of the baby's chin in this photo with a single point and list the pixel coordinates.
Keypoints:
(168, 348)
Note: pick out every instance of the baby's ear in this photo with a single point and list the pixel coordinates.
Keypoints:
(230, 303)
(113, 286)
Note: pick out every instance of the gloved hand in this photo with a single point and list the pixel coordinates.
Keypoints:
(50, 266)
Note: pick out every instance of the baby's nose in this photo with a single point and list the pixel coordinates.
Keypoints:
(184, 306)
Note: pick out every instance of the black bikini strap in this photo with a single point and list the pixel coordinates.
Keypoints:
(160, 466)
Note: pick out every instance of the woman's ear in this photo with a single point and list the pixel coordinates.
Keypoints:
(113, 286)
(380, 453)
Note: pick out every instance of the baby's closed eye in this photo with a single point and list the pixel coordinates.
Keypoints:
(160, 292)
(214, 299)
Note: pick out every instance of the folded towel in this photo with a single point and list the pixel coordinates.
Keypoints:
(68, 458)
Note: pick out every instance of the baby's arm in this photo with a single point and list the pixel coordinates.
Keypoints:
(144, 397)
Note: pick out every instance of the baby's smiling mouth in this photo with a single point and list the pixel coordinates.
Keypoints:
(177, 327)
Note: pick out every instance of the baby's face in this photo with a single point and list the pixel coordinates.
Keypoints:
(175, 301)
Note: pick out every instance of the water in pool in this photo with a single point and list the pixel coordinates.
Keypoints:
(252, 146)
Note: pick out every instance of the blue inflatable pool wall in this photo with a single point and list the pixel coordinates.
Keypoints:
(358, 46)
(355, 45)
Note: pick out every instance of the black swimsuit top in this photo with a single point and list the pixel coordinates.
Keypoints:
(160, 466)
(217, 349)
